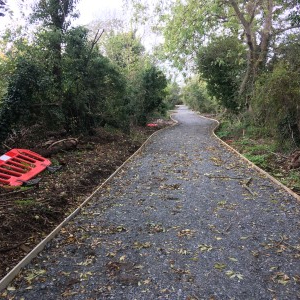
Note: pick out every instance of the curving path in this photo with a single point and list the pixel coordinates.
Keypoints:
(185, 219)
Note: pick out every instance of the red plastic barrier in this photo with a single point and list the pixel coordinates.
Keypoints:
(20, 165)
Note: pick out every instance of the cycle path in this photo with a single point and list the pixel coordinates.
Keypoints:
(185, 219)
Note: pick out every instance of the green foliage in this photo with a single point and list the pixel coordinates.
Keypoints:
(58, 79)
(294, 14)
(260, 160)
(4, 72)
(54, 13)
(221, 64)
(173, 96)
(25, 202)
(55, 16)
(197, 21)
(23, 86)
(93, 87)
(154, 84)
(277, 100)
(145, 83)
(124, 49)
(231, 41)
(12, 42)
(194, 94)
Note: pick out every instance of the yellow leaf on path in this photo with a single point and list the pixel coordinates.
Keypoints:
(183, 251)
(245, 237)
(111, 254)
(204, 247)
(138, 245)
(219, 266)
(34, 274)
(233, 274)
(232, 259)
(139, 267)
(122, 258)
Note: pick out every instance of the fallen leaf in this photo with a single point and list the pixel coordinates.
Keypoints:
(139, 267)
(87, 262)
(138, 245)
(233, 274)
(183, 251)
(185, 232)
(69, 293)
(85, 276)
(111, 254)
(122, 258)
(205, 248)
(232, 259)
(33, 274)
(245, 237)
(281, 278)
(219, 266)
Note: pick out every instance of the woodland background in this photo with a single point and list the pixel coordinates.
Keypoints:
(237, 59)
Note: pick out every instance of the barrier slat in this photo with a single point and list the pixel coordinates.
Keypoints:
(20, 165)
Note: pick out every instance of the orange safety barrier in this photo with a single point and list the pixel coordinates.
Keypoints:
(19, 165)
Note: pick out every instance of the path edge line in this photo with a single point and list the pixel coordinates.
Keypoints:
(6, 280)
(273, 179)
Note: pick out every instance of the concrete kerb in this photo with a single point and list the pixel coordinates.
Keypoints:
(251, 163)
(5, 281)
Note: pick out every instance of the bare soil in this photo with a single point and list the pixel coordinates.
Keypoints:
(30, 213)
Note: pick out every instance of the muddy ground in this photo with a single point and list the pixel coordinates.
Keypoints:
(28, 214)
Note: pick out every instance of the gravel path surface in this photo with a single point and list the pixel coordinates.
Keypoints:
(185, 219)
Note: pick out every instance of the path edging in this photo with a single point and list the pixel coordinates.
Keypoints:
(6, 280)
(273, 179)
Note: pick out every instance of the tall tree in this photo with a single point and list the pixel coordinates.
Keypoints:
(258, 23)
(55, 17)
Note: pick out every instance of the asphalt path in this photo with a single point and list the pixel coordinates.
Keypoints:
(185, 219)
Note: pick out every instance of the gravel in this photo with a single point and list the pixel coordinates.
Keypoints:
(185, 219)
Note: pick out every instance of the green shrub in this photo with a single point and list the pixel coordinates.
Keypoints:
(194, 94)
(221, 64)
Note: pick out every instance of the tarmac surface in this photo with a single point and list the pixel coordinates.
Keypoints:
(185, 219)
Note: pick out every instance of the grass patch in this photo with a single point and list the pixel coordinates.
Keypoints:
(258, 145)
(292, 180)
(259, 160)
(25, 202)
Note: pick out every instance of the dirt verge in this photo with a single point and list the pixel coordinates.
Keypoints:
(28, 214)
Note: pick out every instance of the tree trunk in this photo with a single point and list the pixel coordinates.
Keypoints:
(257, 55)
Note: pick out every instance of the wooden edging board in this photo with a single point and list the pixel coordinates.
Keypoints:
(5, 281)
(288, 190)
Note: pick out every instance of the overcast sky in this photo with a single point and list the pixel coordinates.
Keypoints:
(97, 9)
(89, 10)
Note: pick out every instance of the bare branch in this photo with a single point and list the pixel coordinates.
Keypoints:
(96, 39)
(282, 30)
